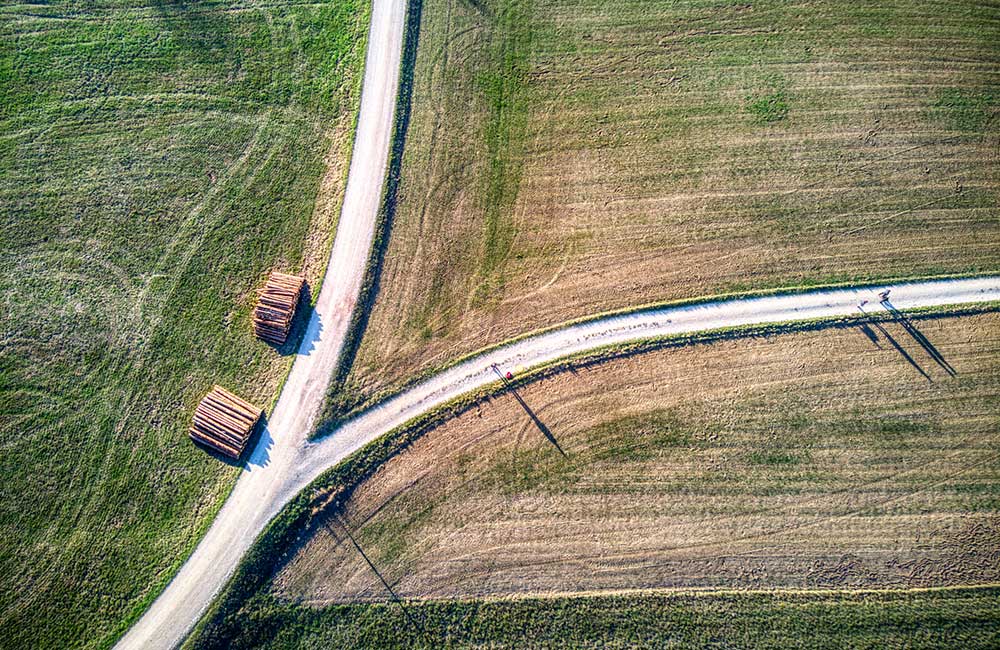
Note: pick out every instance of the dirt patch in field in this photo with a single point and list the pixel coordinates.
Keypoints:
(821, 459)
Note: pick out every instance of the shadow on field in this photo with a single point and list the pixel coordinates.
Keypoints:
(919, 337)
(300, 339)
(873, 325)
(870, 334)
(479, 6)
(203, 32)
(395, 597)
(527, 409)
(538, 423)
(259, 445)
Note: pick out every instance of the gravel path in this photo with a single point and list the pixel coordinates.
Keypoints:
(550, 346)
(271, 467)
(312, 458)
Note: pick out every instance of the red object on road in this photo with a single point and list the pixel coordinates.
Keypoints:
(509, 376)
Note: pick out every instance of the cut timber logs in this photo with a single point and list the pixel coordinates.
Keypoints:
(272, 317)
(224, 422)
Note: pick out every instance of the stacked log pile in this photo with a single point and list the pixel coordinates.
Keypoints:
(224, 422)
(272, 317)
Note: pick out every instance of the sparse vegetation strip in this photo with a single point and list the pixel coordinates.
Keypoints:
(918, 619)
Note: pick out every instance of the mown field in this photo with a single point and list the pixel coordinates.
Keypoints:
(566, 158)
(835, 487)
(828, 459)
(157, 159)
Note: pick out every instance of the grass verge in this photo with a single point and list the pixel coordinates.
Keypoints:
(920, 619)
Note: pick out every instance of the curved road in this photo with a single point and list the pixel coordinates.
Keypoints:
(656, 323)
(315, 457)
(273, 462)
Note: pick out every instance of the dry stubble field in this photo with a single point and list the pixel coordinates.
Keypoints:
(823, 459)
(568, 158)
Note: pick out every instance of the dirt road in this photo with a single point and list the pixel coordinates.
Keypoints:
(271, 470)
(536, 350)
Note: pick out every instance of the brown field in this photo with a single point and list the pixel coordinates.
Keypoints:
(569, 158)
(823, 459)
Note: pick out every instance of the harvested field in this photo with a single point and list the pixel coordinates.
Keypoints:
(569, 158)
(837, 459)
(152, 172)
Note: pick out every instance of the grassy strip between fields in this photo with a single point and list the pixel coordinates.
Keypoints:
(343, 404)
(248, 615)
(869, 619)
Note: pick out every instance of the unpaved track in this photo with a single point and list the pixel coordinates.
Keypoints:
(271, 471)
(253, 504)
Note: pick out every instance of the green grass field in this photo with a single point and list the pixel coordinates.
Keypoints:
(966, 618)
(157, 158)
(569, 158)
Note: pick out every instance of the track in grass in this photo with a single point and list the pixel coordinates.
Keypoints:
(157, 159)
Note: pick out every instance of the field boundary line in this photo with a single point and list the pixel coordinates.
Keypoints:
(697, 592)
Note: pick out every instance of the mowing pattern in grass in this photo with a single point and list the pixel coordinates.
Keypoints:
(931, 619)
(566, 158)
(156, 159)
(815, 460)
